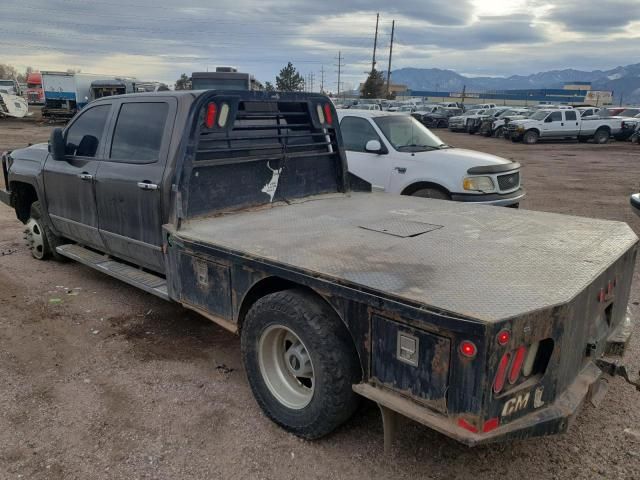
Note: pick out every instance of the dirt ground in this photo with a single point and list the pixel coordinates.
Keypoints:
(100, 381)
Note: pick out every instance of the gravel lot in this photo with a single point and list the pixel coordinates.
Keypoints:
(101, 381)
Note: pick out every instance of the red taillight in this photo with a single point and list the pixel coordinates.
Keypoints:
(210, 117)
(516, 366)
(503, 337)
(501, 374)
(466, 425)
(491, 424)
(468, 349)
(327, 114)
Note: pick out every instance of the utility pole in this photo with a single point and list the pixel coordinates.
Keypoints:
(375, 44)
(339, 65)
(393, 27)
(312, 77)
(322, 79)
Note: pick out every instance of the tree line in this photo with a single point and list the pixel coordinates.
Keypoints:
(9, 72)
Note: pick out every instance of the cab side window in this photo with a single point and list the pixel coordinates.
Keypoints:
(139, 130)
(84, 136)
(356, 132)
(570, 115)
(555, 117)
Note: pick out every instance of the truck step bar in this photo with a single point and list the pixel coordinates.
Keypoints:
(133, 276)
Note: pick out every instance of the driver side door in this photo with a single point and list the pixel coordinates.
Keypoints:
(372, 167)
(69, 184)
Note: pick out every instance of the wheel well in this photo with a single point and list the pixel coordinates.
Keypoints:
(24, 196)
(260, 289)
(414, 187)
(604, 127)
(533, 130)
(270, 285)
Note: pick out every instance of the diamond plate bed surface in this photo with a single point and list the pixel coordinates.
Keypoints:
(489, 263)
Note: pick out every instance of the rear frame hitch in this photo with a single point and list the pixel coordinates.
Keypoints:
(614, 369)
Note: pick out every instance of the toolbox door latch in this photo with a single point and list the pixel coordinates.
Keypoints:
(407, 350)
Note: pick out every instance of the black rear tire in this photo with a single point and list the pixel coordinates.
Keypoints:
(330, 348)
(499, 132)
(601, 136)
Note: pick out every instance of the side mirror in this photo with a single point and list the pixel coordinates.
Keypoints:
(373, 146)
(56, 144)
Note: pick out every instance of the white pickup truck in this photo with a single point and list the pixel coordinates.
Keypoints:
(563, 124)
(397, 154)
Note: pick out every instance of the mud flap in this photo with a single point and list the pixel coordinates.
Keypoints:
(613, 369)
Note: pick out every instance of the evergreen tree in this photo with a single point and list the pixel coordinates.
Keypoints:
(289, 80)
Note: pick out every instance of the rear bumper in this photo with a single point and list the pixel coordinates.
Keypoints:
(497, 199)
(549, 420)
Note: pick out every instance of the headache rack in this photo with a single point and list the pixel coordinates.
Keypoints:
(254, 149)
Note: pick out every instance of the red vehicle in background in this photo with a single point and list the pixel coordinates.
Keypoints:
(35, 93)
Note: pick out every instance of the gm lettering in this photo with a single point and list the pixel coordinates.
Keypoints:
(521, 401)
(516, 404)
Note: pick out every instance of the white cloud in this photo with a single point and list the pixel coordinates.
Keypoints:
(159, 40)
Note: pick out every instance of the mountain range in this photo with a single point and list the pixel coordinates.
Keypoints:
(623, 81)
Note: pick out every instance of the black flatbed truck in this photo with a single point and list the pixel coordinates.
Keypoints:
(486, 324)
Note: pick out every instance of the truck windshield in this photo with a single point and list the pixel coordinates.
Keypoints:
(407, 134)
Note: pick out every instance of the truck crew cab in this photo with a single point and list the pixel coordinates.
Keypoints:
(563, 123)
(485, 324)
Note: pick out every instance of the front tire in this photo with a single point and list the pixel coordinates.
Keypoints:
(531, 137)
(300, 362)
(431, 192)
(499, 133)
(40, 239)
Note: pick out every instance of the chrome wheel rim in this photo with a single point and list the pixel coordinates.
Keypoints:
(286, 367)
(35, 238)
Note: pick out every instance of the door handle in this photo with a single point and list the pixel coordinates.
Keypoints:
(400, 169)
(562, 124)
(147, 186)
(85, 176)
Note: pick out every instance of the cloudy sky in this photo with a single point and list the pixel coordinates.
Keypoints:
(159, 39)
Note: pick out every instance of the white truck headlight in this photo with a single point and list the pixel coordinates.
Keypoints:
(479, 184)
